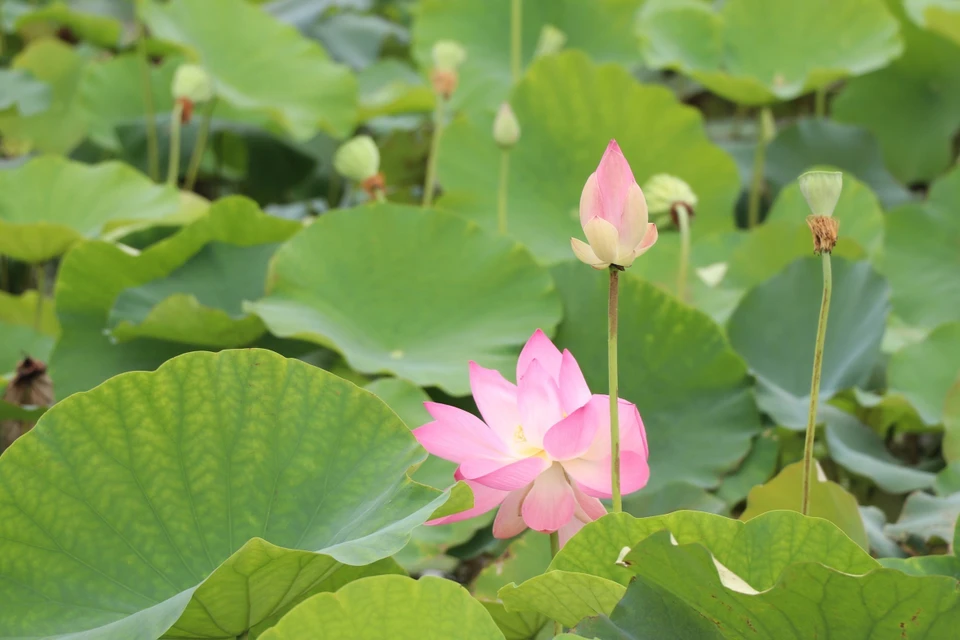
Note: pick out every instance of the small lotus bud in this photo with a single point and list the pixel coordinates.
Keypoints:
(191, 82)
(665, 193)
(357, 159)
(822, 190)
(768, 126)
(506, 129)
(551, 41)
(448, 55)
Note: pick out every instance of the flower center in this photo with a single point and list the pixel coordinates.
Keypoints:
(521, 446)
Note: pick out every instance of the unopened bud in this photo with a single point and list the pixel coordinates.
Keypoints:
(448, 55)
(357, 159)
(191, 82)
(821, 190)
(551, 41)
(506, 129)
(664, 193)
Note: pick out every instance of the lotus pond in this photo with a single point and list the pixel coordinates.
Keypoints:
(480, 319)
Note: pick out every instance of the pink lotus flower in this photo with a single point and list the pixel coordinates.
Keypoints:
(542, 450)
(613, 213)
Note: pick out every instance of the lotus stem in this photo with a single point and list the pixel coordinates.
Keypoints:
(173, 166)
(808, 460)
(4, 274)
(554, 549)
(756, 183)
(683, 221)
(153, 147)
(40, 277)
(820, 102)
(381, 196)
(516, 24)
(431, 181)
(502, 192)
(199, 146)
(612, 306)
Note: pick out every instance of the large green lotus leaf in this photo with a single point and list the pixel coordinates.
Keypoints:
(260, 64)
(942, 16)
(922, 256)
(63, 126)
(95, 274)
(19, 333)
(189, 497)
(408, 291)
(99, 28)
(859, 449)
(22, 92)
(809, 600)
(925, 372)
(427, 545)
(201, 302)
(650, 612)
(603, 29)
(828, 500)
(585, 578)
(758, 467)
(911, 106)
(813, 142)
(675, 365)
(50, 203)
(569, 109)
(753, 52)
(672, 497)
(393, 607)
(775, 329)
(926, 517)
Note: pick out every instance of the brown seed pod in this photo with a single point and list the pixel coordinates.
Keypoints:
(31, 386)
(825, 230)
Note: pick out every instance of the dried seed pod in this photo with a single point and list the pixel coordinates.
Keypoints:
(31, 386)
(825, 230)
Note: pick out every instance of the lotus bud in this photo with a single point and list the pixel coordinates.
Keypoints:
(191, 84)
(613, 214)
(358, 159)
(821, 189)
(551, 41)
(448, 55)
(506, 129)
(665, 192)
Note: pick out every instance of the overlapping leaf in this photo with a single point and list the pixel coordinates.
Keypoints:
(290, 79)
(755, 52)
(50, 203)
(262, 476)
(413, 292)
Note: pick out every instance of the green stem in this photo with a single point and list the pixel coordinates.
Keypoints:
(5, 275)
(554, 549)
(502, 192)
(380, 196)
(516, 24)
(173, 161)
(40, 277)
(683, 218)
(612, 305)
(820, 102)
(199, 146)
(153, 147)
(808, 460)
(431, 182)
(756, 183)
